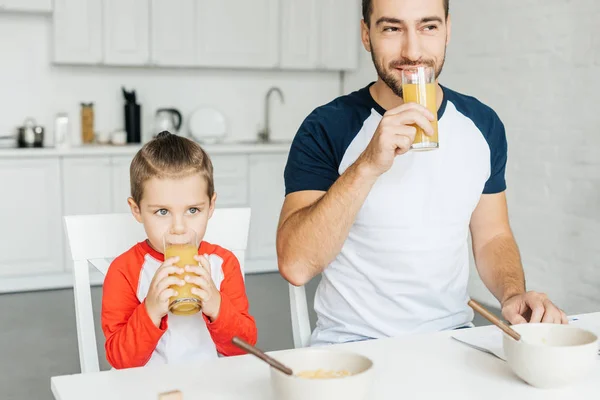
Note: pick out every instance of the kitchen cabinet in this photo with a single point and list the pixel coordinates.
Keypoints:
(300, 34)
(120, 188)
(267, 192)
(46, 184)
(231, 180)
(237, 33)
(320, 34)
(126, 32)
(30, 210)
(77, 31)
(173, 32)
(86, 185)
(38, 6)
(285, 34)
(339, 34)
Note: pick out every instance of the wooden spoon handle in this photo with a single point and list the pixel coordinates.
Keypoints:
(494, 320)
(258, 353)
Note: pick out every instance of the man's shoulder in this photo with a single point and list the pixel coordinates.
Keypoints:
(470, 106)
(482, 115)
(340, 113)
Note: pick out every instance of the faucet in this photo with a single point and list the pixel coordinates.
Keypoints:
(264, 135)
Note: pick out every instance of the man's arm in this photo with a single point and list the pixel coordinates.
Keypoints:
(314, 225)
(496, 253)
(499, 264)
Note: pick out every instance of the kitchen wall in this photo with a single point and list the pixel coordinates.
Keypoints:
(32, 86)
(538, 67)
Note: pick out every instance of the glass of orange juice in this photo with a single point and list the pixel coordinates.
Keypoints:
(185, 246)
(418, 86)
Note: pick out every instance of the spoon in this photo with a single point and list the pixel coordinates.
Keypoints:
(260, 354)
(494, 320)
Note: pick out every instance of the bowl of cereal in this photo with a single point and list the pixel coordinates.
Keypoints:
(323, 374)
(551, 355)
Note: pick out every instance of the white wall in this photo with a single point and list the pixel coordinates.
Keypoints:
(517, 56)
(31, 86)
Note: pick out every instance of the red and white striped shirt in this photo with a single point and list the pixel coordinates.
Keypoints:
(132, 340)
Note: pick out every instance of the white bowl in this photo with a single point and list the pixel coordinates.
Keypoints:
(550, 355)
(353, 387)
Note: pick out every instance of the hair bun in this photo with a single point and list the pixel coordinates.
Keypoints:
(163, 135)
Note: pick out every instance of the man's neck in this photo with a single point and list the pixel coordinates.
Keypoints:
(386, 98)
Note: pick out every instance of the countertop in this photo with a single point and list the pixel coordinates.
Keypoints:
(130, 150)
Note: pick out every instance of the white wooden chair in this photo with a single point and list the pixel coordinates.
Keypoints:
(299, 314)
(97, 239)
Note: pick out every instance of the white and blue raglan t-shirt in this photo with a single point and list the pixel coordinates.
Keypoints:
(404, 267)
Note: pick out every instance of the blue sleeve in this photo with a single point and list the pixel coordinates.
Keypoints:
(496, 138)
(311, 163)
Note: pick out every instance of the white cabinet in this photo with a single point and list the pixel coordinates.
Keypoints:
(300, 34)
(43, 6)
(320, 34)
(267, 192)
(31, 240)
(339, 34)
(237, 33)
(126, 32)
(121, 190)
(86, 185)
(40, 190)
(231, 180)
(77, 26)
(173, 32)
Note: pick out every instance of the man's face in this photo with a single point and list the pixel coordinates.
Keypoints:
(405, 33)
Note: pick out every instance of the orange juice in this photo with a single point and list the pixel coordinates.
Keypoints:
(185, 303)
(424, 94)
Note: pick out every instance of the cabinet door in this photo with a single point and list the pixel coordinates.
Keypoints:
(340, 34)
(120, 183)
(238, 33)
(231, 180)
(77, 26)
(31, 234)
(267, 192)
(300, 34)
(86, 185)
(126, 32)
(44, 6)
(173, 32)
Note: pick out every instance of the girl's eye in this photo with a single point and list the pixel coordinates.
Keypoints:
(162, 212)
(194, 210)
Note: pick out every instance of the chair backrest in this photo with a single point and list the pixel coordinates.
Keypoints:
(299, 314)
(97, 239)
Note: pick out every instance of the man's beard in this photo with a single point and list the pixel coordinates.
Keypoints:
(396, 84)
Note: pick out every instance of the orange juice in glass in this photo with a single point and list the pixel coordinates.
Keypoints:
(185, 246)
(418, 86)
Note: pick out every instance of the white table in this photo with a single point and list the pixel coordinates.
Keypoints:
(432, 366)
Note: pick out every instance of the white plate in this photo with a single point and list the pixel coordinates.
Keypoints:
(207, 125)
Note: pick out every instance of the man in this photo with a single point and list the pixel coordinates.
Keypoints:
(387, 227)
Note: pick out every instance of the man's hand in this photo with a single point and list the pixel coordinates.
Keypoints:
(394, 136)
(532, 307)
